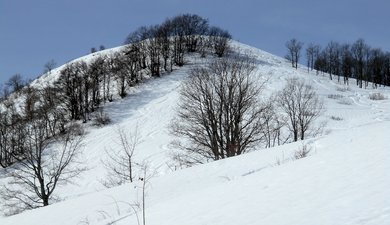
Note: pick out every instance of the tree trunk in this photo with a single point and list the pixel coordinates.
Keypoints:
(45, 200)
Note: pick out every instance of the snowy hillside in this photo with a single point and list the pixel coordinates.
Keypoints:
(344, 180)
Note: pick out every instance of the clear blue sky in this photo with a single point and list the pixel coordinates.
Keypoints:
(34, 31)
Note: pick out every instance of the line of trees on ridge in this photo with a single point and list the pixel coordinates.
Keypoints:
(358, 60)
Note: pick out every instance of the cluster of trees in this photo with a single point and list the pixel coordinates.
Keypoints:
(16, 121)
(14, 84)
(101, 48)
(221, 113)
(84, 87)
(294, 52)
(38, 136)
(149, 51)
(165, 44)
(357, 60)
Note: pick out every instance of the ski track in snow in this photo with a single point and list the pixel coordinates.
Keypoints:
(148, 109)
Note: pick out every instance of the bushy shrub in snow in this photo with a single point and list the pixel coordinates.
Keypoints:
(342, 88)
(335, 96)
(76, 129)
(376, 96)
(337, 118)
(101, 119)
(302, 152)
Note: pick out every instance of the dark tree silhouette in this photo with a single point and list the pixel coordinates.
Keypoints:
(219, 40)
(294, 51)
(16, 82)
(220, 113)
(49, 66)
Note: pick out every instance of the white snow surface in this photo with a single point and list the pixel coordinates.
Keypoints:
(345, 179)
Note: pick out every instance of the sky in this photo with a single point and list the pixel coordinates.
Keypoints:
(35, 32)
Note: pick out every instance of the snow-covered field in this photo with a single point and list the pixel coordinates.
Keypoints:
(345, 179)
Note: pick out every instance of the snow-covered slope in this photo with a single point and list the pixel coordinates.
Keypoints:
(345, 179)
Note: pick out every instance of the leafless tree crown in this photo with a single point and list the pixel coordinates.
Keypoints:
(294, 51)
(120, 164)
(220, 112)
(302, 106)
(45, 166)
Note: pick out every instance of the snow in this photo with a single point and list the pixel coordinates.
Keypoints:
(344, 180)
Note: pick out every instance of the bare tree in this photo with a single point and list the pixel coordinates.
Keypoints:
(178, 34)
(30, 101)
(359, 51)
(108, 74)
(49, 66)
(136, 39)
(46, 165)
(16, 82)
(320, 63)
(164, 41)
(346, 62)
(376, 66)
(75, 84)
(153, 50)
(273, 127)
(12, 134)
(97, 73)
(219, 113)
(312, 52)
(120, 163)
(294, 51)
(219, 39)
(146, 173)
(302, 106)
(4, 92)
(119, 68)
(386, 69)
(194, 27)
(7, 145)
(332, 52)
(145, 176)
